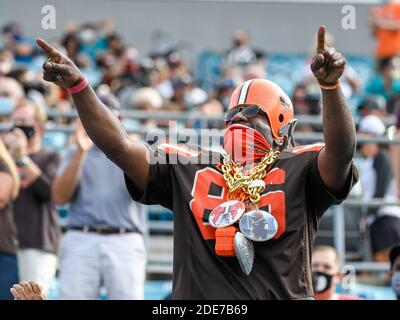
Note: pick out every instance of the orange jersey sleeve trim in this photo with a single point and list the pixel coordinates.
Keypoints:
(178, 149)
(310, 147)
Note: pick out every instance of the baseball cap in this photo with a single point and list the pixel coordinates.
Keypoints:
(394, 253)
(372, 124)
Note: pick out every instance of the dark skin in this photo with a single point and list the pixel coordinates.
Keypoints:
(106, 131)
(335, 160)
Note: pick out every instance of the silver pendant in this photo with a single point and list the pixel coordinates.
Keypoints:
(226, 214)
(244, 251)
(258, 225)
(257, 183)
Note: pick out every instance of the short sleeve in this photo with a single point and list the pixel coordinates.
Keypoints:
(158, 189)
(319, 198)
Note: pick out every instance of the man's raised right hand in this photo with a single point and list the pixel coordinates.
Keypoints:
(59, 69)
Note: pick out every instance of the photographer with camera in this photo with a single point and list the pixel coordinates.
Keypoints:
(34, 211)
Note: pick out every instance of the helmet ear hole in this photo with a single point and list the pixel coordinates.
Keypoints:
(281, 117)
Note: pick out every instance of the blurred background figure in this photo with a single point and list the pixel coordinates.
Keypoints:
(10, 93)
(375, 105)
(22, 47)
(9, 188)
(104, 241)
(306, 99)
(224, 91)
(34, 210)
(73, 47)
(241, 53)
(385, 27)
(6, 61)
(378, 181)
(326, 274)
(386, 81)
(395, 269)
(92, 36)
(145, 99)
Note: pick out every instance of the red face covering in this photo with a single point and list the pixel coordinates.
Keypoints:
(245, 145)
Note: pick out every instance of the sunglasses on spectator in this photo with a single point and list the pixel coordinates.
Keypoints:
(249, 111)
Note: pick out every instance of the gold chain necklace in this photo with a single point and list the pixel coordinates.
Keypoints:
(247, 186)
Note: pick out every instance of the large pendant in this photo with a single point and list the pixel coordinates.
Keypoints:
(226, 214)
(258, 225)
(244, 251)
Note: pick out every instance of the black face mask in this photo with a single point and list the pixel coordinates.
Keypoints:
(29, 131)
(321, 281)
(237, 43)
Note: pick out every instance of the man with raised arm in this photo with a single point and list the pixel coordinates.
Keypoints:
(244, 224)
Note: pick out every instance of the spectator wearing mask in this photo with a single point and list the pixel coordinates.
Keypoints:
(34, 211)
(326, 274)
(93, 37)
(10, 93)
(241, 54)
(378, 181)
(104, 239)
(9, 188)
(394, 257)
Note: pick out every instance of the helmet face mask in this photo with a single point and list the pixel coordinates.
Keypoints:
(287, 132)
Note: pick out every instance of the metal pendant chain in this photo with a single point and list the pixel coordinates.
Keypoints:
(247, 186)
(254, 225)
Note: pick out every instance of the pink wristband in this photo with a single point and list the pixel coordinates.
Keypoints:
(79, 87)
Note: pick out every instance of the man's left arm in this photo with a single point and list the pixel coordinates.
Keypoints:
(41, 181)
(335, 160)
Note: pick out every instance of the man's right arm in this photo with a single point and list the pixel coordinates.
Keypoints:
(106, 131)
(100, 123)
(65, 183)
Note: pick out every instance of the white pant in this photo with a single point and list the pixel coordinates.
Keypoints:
(38, 266)
(88, 258)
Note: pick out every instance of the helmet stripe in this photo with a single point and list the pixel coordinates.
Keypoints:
(235, 96)
(244, 91)
(248, 91)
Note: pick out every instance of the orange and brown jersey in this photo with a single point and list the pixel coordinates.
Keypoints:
(294, 193)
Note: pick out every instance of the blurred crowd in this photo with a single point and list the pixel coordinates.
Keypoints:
(104, 241)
